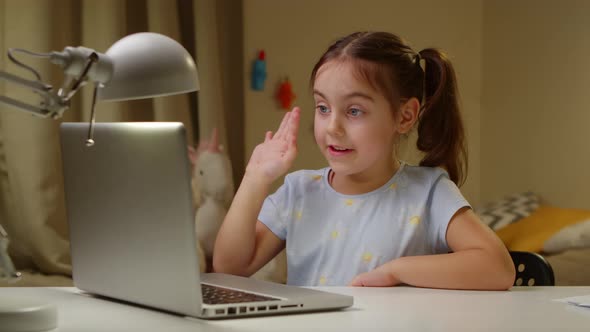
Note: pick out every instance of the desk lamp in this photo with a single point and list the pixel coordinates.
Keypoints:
(141, 65)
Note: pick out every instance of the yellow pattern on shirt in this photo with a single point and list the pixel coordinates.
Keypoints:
(367, 257)
(348, 202)
(415, 220)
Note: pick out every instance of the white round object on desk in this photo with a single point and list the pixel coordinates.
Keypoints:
(21, 314)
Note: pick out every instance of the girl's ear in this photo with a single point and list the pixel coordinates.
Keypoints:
(408, 115)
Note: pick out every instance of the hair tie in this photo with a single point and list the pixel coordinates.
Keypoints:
(417, 58)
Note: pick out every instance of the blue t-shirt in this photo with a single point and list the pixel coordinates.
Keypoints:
(332, 237)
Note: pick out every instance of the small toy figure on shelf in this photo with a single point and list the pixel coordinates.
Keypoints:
(259, 72)
(285, 94)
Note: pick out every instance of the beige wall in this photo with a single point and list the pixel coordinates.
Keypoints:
(536, 98)
(294, 34)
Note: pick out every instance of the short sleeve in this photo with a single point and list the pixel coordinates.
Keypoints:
(445, 201)
(274, 210)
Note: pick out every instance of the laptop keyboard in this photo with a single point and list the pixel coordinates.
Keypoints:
(220, 295)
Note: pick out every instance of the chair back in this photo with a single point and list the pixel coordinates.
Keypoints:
(532, 269)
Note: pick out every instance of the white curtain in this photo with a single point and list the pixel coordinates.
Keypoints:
(32, 205)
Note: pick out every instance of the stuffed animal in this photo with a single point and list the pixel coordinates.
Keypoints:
(213, 190)
(570, 237)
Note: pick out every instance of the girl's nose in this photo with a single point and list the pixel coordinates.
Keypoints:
(335, 126)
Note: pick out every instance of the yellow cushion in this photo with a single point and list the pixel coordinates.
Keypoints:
(530, 233)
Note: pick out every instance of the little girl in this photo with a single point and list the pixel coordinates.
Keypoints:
(368, 219)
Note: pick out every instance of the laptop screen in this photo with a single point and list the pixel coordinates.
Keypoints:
(130, 213)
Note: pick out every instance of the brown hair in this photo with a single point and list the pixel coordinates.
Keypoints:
(391, 66)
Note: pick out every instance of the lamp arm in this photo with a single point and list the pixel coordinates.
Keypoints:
(79, 64)
(51, 104)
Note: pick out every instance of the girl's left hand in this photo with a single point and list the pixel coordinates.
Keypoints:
(379, 277)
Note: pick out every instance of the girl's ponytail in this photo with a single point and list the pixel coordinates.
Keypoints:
(440, 129)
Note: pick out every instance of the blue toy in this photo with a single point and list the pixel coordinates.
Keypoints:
(259, 72)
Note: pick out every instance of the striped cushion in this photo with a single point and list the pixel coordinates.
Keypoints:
(509, 209)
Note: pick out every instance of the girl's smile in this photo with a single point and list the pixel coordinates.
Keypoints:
(337, 151)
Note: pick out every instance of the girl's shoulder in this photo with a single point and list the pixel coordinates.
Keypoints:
(305, 183)
(306, 176)
(306, 173)
(422, 175)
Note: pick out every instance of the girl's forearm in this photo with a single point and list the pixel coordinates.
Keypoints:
(235, 245)
(475, 269)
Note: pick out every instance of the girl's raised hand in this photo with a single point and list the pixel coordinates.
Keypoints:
(273, 157)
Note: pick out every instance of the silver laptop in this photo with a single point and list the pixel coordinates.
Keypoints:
(131, 222)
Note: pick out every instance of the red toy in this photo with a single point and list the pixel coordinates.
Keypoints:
(285, 94)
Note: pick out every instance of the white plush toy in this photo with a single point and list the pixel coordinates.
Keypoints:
(571, 237)
(213, 190)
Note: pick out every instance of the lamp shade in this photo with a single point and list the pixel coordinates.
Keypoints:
(148, 65)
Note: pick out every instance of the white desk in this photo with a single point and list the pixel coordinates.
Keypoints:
(375, 309)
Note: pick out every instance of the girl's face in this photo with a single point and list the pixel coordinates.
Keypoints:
(354, 124)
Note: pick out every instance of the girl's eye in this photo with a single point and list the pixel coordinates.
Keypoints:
(322, 109)
(355, 112)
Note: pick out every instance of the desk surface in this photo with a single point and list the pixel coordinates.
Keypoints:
(375, 309)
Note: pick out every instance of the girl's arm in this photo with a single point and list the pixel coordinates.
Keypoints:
(243, 244)
(479, 261)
